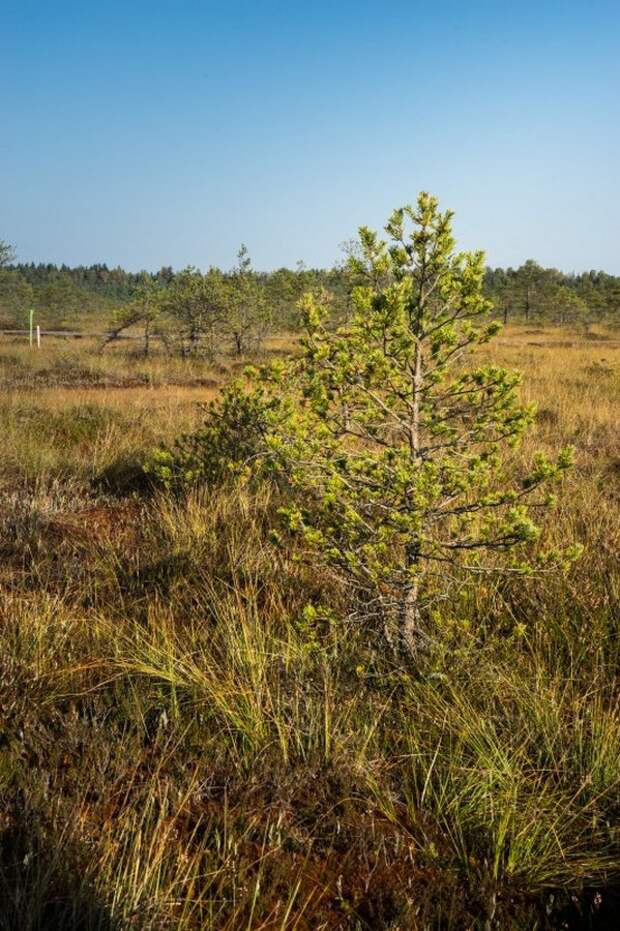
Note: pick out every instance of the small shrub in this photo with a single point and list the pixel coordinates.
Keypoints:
(231, 442)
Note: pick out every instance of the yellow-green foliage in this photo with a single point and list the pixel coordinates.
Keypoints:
(392, 436)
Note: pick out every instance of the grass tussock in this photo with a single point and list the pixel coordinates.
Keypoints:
(183, 744)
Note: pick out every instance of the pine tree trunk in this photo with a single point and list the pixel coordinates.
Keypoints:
(412, 634)
(412, 622)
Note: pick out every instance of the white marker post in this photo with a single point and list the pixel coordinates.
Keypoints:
(38, 336)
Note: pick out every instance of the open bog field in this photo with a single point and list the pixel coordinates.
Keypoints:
(184, 745)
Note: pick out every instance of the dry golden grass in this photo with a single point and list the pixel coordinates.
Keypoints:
(181, 747)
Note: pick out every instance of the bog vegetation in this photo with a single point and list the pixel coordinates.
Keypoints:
(192, 312)
(329, 641)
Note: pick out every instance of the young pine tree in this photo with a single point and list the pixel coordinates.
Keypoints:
(396, 438)
(247, 312)
(196, 304)
(390, 432)
(144, 310)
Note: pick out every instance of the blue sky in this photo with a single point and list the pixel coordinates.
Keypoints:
(155, 133)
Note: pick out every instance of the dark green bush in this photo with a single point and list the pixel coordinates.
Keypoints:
(231, 442)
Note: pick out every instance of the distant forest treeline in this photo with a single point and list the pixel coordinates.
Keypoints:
(113, 283)
(65, 297)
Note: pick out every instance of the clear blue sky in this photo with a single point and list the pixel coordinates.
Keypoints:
(149, 133)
